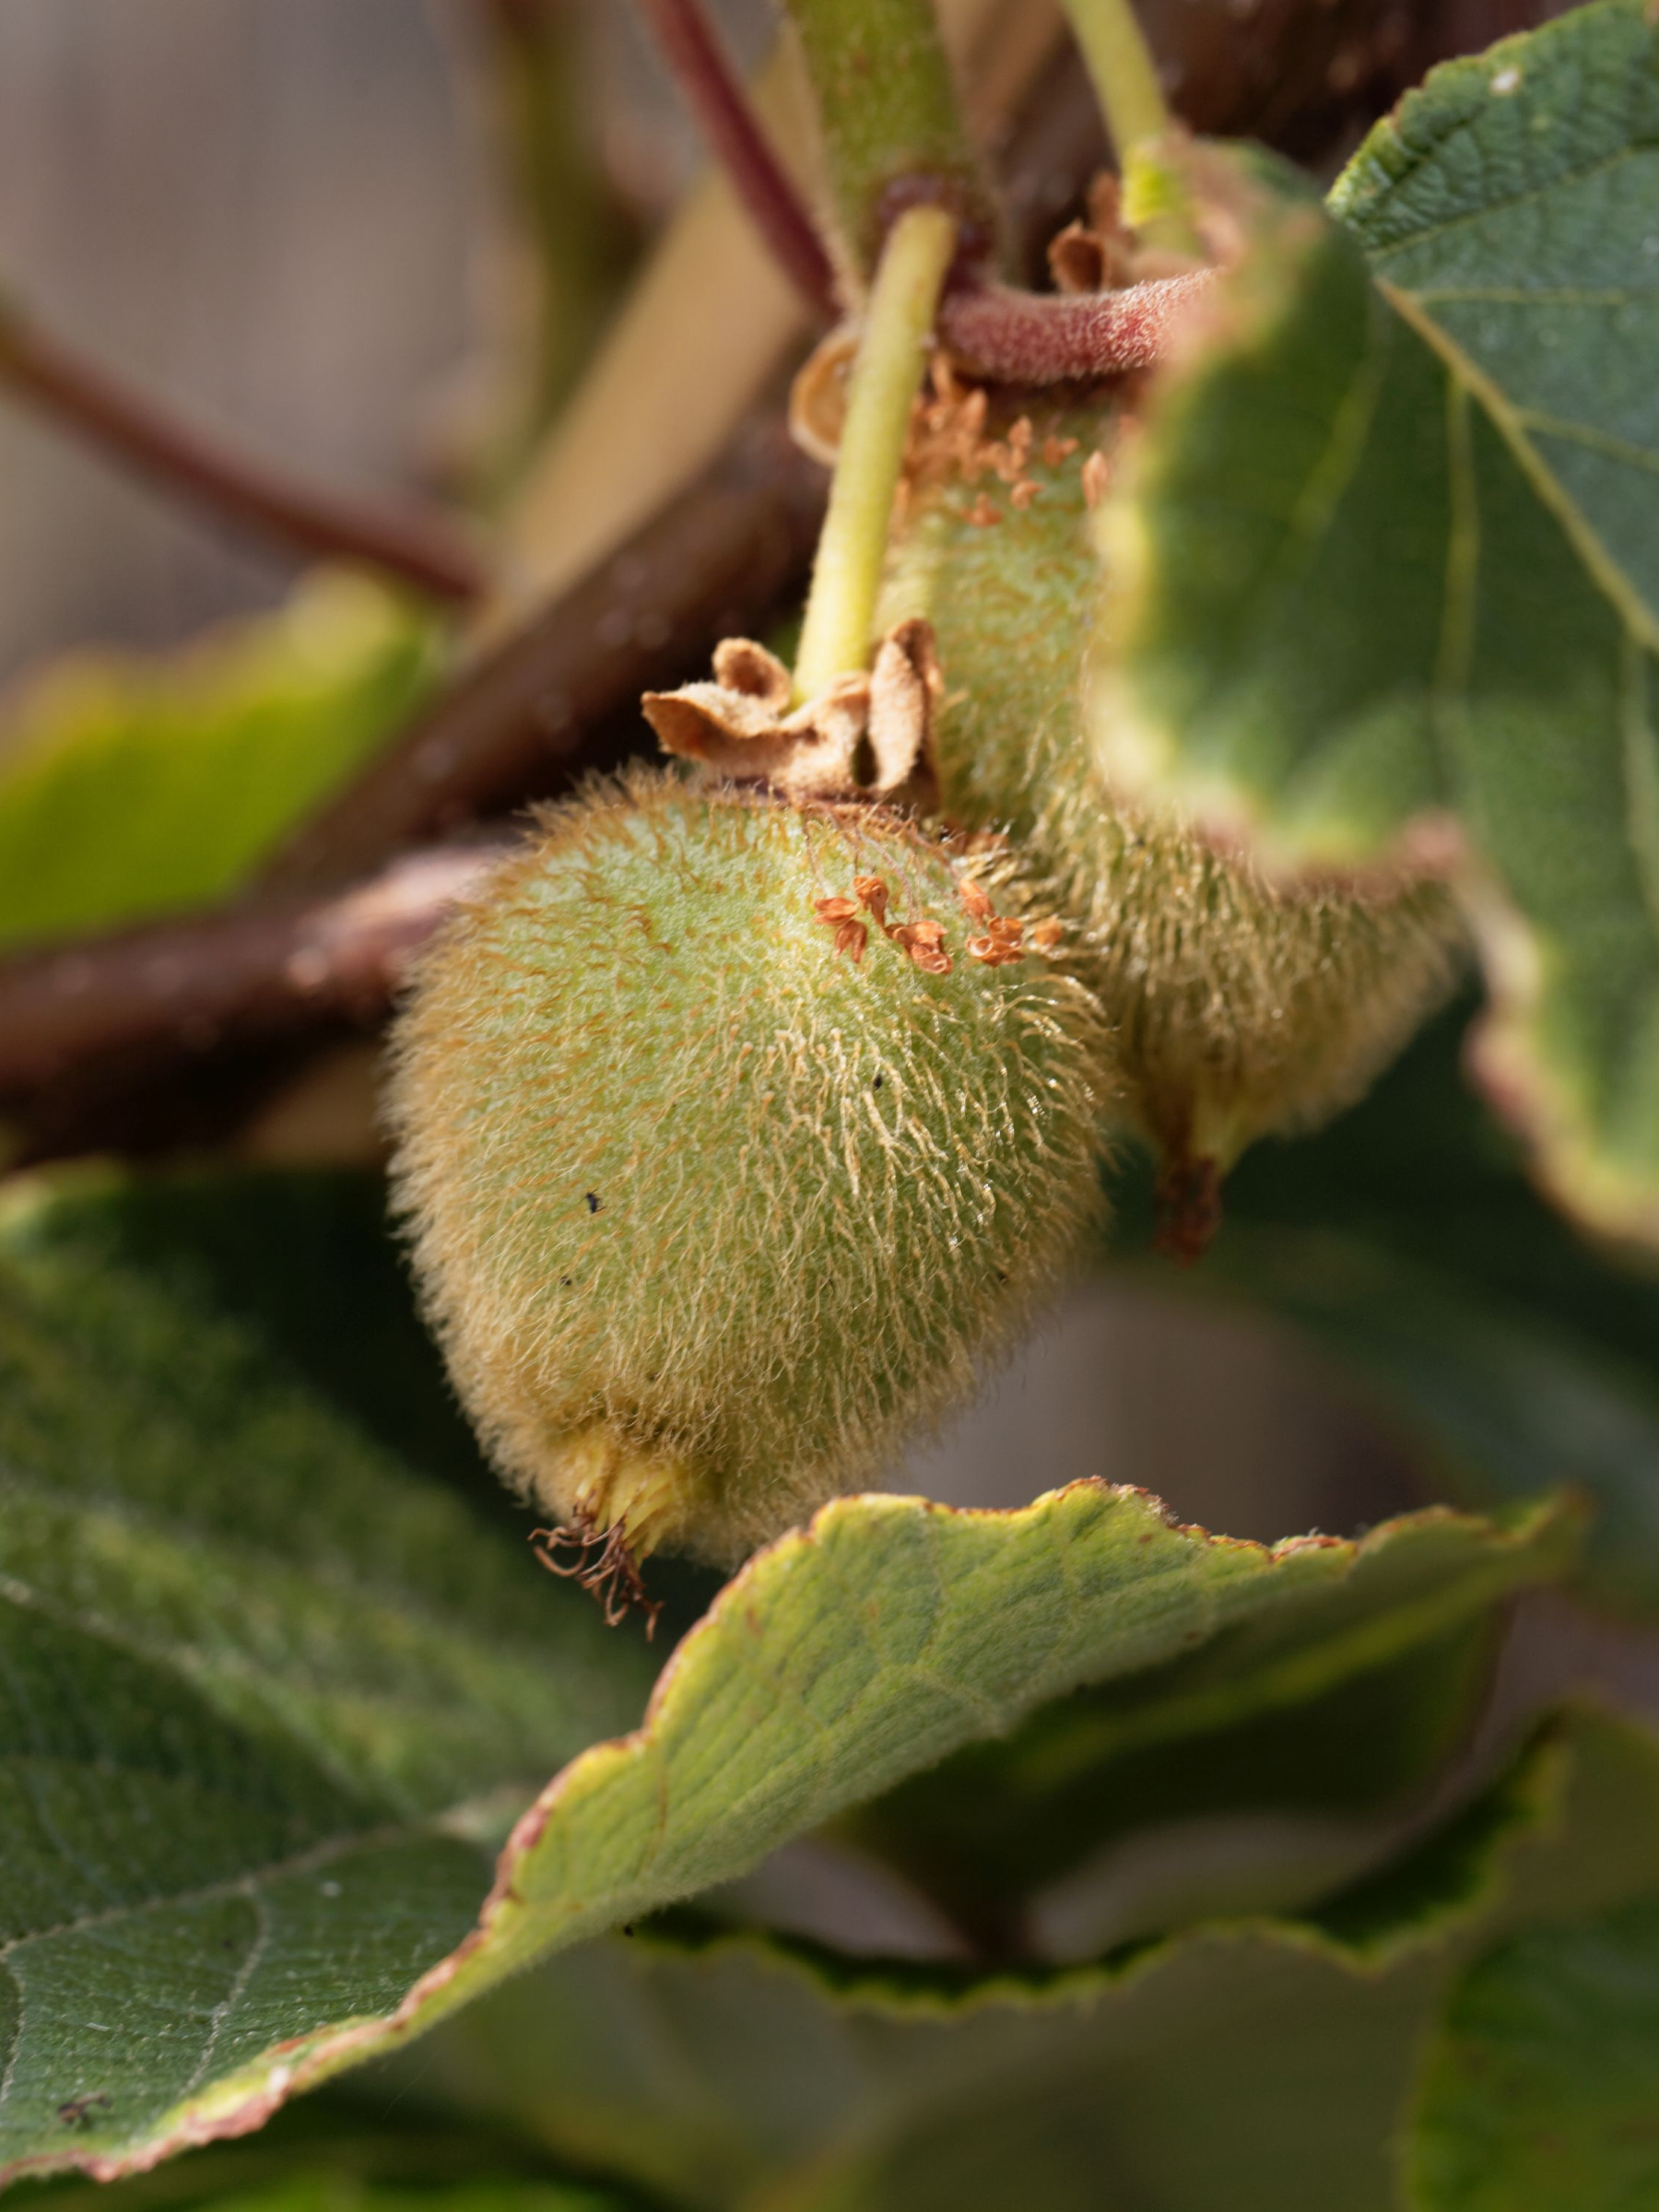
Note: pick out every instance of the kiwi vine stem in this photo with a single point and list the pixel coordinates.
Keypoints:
(887, 374)
(419, 549)
(1124, 76)
(1010, 337)
(719, 100)
(723, 555)
(1121, 67)
(270, 962)
(995, 331)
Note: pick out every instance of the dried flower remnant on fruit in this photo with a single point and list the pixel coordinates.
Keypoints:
(872, 895)
(922, 941)
(638, 1005)
(604, 1567)
(741, 727)
(1102, 253)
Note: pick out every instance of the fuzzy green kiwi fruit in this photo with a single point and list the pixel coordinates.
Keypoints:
(726, 1164)
(1239, 1008)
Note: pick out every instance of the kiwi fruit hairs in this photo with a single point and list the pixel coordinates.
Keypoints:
(1239, 1008)
(733, 1136)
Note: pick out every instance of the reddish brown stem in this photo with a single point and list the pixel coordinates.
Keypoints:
(1015, 337)
(716, 562)
(419, 549)
(267, 964)
(718, 100)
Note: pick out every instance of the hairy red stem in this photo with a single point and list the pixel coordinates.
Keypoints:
(1015, 337)
(718, 100)
(419, 549)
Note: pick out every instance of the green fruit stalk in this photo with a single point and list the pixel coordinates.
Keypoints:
(1239, 1007)
(734, 1136)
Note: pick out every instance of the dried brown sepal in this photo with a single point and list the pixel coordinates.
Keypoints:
(872, 895)
(852, 936)
(739, 727)
(924, 941)
(604, 1565)
(835, 909)
(742, 665)
(992, 951)
(1102, 254)
(1076, 261)
(975, 900)
(817, 398)
(1046, 936)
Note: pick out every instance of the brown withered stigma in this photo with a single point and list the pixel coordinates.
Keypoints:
(1001, 942)
(868, 737)
(605, 1566)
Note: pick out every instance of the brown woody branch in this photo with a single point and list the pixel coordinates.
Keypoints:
(418, 548)
(267, 964)
(717, 562)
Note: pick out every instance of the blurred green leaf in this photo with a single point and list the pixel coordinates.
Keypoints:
(267, 1698)
(1540, 2092)
(1384, 556)
(1341, 1701)
(1262, 2066)
(1516, 1355)
(135, 785)
(331, 2155)
(326, 2191)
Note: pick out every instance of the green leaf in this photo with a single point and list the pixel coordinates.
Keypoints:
(133, 785)
(325, 2191)
(1257, 2067)
(855, 1652)
(1376, 584)
(1341, 1700)
(329, 2155)
(1540, 2092)
(887, 110)
(1507, 1404)
(266, 1699)
(367, 2151)
(1512, 203)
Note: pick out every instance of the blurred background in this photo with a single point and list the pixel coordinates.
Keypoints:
(284, 215)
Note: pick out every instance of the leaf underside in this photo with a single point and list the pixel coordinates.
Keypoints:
(1385, 560)
(1260, 2064)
